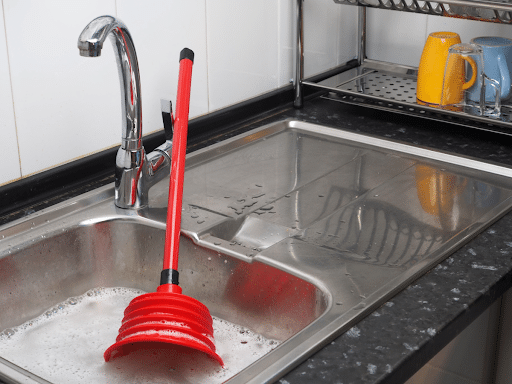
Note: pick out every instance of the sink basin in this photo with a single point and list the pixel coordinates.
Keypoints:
(293, 230)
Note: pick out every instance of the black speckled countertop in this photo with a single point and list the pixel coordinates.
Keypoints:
(397, 339)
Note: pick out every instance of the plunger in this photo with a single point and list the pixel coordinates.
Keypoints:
(167, 318)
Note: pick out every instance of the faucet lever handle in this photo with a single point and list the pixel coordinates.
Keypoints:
(168, 118)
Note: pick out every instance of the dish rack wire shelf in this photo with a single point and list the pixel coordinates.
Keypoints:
(392, 87)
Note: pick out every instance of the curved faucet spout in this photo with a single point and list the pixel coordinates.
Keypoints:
(135, 172)
(90, 44)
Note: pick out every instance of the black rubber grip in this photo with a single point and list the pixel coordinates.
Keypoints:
(187, 54)
(169, 276)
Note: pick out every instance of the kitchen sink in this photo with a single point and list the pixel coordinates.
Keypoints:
(292, 230)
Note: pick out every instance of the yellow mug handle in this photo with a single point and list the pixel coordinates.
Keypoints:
(471, 81)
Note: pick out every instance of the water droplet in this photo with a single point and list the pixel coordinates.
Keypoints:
(9, 332)
(217, 243)
(339, 303)
(194, 215)
(209, 259)
(72, 301)
(200, 221)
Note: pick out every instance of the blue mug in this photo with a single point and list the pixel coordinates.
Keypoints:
(497, 65)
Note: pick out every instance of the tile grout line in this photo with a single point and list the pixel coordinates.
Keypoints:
(279, 15)
(207, 62)
(12, 91)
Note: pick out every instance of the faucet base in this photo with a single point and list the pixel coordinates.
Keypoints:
(130, 175)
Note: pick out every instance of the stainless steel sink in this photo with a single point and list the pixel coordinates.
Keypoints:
(293, 230)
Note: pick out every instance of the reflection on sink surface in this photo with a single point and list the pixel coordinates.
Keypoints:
(292, 230)
(120, 253)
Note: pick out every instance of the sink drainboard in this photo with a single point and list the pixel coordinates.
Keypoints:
(292, 230)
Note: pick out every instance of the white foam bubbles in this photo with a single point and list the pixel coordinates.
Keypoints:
(66, 344)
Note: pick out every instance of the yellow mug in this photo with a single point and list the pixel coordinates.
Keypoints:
(432, 64)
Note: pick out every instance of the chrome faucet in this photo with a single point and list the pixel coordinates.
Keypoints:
(135, 171)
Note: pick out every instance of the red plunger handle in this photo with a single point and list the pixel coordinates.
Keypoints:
(179, 149)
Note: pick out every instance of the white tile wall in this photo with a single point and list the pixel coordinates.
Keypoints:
(242, 49)
(347, 43)
(67, 106)
(160, 30)
(467, 29)
(395, 38)
(329, 35)
(285, 60)
(399, 37)
(10, 155)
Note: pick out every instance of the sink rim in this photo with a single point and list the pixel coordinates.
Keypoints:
(328, 325)
(90, 208)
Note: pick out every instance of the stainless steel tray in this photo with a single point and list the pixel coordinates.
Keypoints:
(358, 217)
(392, 87)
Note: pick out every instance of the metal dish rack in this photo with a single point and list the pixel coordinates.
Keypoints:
(392, 87)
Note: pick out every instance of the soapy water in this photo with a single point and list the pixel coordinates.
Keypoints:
(66, 344)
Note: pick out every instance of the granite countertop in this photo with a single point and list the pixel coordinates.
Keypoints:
(397, 339)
